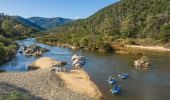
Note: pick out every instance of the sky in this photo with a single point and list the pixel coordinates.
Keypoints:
(74, 9)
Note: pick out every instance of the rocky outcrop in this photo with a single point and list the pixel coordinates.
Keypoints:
(143, 63)
(58, 69)
(33, 50)
(77, 61)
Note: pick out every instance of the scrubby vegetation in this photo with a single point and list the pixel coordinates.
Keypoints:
(14, 95)
(7, 49)
(133, 19)
(10, 29)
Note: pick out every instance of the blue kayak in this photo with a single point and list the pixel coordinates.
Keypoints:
(112, 81)
(116, 90)
(123, 76)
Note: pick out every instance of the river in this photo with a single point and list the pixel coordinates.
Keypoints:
(152, 84)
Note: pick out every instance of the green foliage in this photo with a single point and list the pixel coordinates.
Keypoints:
(2, 51)
(7, 52)
(5, 41)
(15, 96)
(141, 19)
(9, 27)
(144, 59)
(125, 19)
(9, 30)
(167, 45)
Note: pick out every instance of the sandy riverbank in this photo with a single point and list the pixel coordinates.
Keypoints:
(50, 86)
(43, 62)
(41, 83)
(78, 80)
(152, 48)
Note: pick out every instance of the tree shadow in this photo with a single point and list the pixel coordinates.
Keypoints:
(6, 88)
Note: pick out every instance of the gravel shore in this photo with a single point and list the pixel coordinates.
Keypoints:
(152, 48)
(41, 84)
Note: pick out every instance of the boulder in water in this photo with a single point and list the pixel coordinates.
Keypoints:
(34, 50)
(78, 61)
(74, 57)
(143, 62)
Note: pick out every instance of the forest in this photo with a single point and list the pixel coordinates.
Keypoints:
(10, 30)
(127, 19)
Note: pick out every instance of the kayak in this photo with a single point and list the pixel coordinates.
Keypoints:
(116, 90)
(112, 81)
(123, 76)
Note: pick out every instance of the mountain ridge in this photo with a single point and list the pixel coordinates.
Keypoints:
(49, 23)
(28, 23)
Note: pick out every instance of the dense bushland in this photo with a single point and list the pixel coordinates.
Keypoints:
(134, 19)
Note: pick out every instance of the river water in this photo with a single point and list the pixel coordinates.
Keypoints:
(152, 84)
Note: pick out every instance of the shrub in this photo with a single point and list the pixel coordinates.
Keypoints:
(15, 96)
(144, 59)
(167, 45)
(130, 41)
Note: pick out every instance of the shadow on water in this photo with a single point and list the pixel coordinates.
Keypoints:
(1, 70)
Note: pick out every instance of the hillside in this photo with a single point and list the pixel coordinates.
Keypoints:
(28, 23)
(10, 28)
(134, 19)
(49, 23)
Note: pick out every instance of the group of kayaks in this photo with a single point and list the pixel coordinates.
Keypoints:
(112, 80)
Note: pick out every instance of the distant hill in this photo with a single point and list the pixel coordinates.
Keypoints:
(11, 27)
(134, 19)
(28, 23)
(49, 23)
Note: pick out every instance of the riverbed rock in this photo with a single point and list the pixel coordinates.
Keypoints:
(21, 52)
(74, 57)
(143, 62)
(44, 62)
(34, 50)
(77, 61)
(45, 50)
(58, 69)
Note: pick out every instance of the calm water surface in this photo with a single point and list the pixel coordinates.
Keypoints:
(152, 84)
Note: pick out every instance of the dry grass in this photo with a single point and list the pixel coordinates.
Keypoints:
(79, 81)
